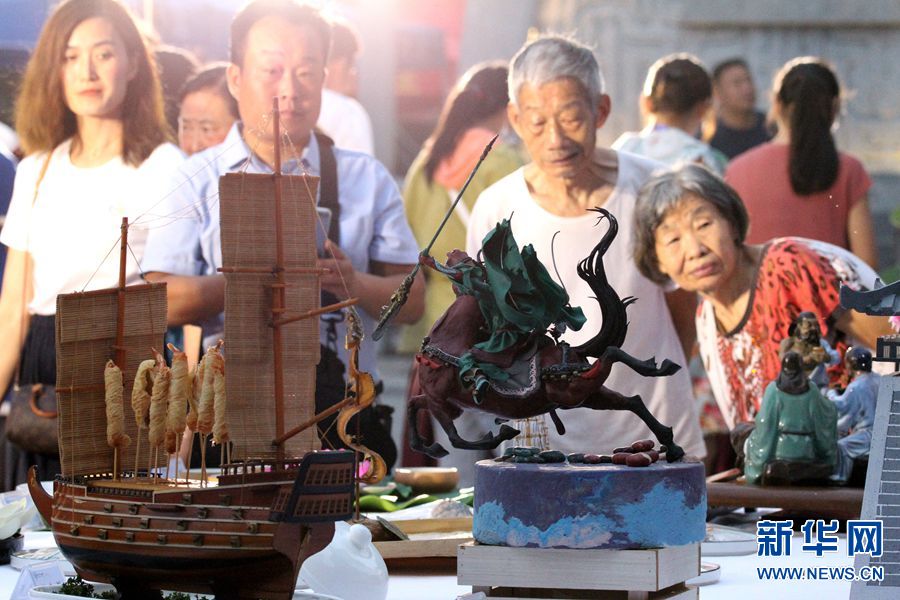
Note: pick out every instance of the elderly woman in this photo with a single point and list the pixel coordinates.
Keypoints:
(557, 103)
(690, 228)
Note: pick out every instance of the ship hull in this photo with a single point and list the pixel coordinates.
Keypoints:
(243, 540)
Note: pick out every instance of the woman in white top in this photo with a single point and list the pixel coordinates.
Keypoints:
(90, 118)
(676, 98)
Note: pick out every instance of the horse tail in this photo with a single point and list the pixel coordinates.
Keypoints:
(591, 270)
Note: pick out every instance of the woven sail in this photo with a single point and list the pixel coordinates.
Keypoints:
(85, 340)
(247, 213)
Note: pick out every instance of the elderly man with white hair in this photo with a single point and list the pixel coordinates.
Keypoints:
(557, 103)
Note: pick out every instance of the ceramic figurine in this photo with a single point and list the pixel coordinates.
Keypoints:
(805, 338)
(499, 323)
(795, 439)
(856, 411)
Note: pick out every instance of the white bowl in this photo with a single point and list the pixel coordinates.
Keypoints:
(428, 480)
(36, 523)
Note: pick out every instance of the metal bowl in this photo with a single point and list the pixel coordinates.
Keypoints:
(428, 480)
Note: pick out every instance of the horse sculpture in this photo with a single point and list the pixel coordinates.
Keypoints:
(560, 375)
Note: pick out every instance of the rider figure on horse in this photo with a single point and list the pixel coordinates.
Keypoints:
(518, 301)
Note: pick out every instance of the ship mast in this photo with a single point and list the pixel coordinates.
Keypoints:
(278, 296)
(280, 314)
(119, 346)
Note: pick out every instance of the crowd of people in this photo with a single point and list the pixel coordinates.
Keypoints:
(710, 260)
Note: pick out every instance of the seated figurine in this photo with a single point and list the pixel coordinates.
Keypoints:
(795, 439)
(805, 338)
(856, 411)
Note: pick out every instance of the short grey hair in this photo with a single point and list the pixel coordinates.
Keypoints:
(551, 57)
(664, 192)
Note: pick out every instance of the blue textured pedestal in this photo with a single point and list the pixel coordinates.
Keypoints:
(589, 506)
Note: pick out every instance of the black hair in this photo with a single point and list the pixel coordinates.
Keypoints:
(212, 77)
(479, 94)
(344, 40)
(294, 12)
(728, 64)
(807, 89)
(676, 83)
(175, 66)
(792, 379)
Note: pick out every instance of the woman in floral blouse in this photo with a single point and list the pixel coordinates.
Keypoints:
(690, 230)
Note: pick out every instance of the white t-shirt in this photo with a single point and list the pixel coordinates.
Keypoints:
(344, 120)
(671, 146)
(651, 331)
(74, 226)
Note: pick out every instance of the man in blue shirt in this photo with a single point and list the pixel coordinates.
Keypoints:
(856, 411)
(279, 49)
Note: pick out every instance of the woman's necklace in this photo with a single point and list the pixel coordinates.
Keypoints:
(730, 314)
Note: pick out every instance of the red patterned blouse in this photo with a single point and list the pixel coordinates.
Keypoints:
(795, 275)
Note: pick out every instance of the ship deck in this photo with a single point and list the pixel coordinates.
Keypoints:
(147, 484)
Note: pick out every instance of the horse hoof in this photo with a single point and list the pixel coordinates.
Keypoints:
(507, 433)
(674, 453)
(436, 451)
(668, 367)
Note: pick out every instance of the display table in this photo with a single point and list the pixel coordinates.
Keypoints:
(738, 581)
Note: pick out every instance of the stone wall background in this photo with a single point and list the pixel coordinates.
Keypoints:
(861, 38)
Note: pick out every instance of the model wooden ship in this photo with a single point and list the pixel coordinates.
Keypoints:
(276, 501)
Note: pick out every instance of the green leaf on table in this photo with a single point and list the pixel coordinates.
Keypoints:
(384, 504)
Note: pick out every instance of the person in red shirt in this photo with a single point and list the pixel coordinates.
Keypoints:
(800, 173)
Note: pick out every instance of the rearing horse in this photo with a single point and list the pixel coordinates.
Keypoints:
(558, 376)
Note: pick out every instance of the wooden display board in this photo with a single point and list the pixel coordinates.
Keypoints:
(827, 502)
(506, 573)
(426, 539)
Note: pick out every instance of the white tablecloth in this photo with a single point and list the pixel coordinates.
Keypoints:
(739, 580)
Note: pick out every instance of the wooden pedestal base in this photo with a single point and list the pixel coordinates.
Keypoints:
(505, 573)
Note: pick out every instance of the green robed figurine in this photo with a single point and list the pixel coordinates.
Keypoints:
(795, 439)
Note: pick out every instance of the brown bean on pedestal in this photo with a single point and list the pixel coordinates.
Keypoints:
(642, 445)
(623, 449)
(639, 459)
(620, 458)
(654, 455)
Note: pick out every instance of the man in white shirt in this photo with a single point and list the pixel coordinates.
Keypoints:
(557, 104)
(343, 118)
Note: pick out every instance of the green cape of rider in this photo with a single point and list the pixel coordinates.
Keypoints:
(516, 295)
